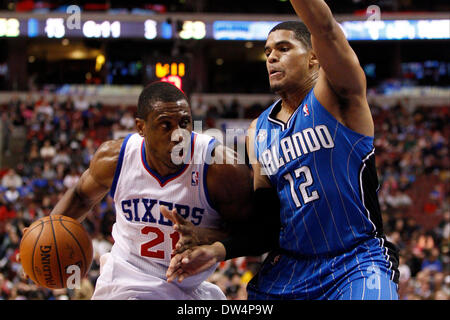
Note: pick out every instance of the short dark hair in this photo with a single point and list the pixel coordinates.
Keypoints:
(157, 91)
(300, 30)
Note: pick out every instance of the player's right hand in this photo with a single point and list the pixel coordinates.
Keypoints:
(188, 234)
(194, 261)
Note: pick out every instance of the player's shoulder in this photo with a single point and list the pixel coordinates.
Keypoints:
(253, 123)
(109, 149)
(226, 165)
(106, 157)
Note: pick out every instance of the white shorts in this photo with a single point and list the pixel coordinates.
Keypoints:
(117, 281)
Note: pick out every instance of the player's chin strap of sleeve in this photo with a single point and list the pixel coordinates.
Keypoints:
(261, 232)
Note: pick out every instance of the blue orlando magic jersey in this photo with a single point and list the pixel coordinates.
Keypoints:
(325, 177)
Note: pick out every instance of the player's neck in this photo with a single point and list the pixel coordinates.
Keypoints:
(159, 166)
(291, 99)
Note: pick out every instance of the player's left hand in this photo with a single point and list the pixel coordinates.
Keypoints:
(195, 260)
(188, 235)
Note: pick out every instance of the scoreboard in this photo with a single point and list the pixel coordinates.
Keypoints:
(152, 29)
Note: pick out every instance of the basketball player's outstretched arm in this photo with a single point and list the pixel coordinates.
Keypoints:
(341, 87)
(93, 185)
(257, 232)
(230, 190)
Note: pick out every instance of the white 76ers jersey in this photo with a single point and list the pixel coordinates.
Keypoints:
(143, 237)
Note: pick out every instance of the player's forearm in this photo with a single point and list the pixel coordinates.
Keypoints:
(73, 205)
(260, 233)
(316, 15)
(209, 236)
(250, 243)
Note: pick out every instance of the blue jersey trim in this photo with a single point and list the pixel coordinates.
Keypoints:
(119, 165)
(211, 145)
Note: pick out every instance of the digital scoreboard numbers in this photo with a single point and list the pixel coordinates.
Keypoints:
(193, 30)
(9, 27)
(173, 72)
(55, 28)
(149, 29)
(104, 29)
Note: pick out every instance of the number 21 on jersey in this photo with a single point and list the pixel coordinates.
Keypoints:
(146, 247)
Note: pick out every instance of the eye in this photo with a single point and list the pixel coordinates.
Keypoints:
(284, 49)
(184, 123)
(165, 125)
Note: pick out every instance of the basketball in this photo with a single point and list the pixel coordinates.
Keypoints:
(56, 251)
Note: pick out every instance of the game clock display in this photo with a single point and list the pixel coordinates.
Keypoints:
(115, 28)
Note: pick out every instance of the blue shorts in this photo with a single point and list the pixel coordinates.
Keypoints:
(364, 273)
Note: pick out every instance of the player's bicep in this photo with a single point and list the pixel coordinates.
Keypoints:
(260, 179)
(96, 181)
(339, 62)
(90, 189)
(230, 189)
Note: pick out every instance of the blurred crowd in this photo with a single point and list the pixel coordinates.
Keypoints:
(62, 136)
(252, 6)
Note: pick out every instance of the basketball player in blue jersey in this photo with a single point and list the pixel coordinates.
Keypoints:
(314, 149)
(147, 185)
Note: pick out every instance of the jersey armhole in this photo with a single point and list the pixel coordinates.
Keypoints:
(208, 159)
(119, 165)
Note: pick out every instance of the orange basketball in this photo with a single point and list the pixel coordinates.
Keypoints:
(56, 251)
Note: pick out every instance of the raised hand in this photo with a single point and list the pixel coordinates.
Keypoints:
(189, 236)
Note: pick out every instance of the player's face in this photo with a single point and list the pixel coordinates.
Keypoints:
(287, 61)
(161, 128)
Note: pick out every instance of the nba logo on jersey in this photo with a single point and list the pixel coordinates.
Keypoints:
(194, 178)
(306, 110)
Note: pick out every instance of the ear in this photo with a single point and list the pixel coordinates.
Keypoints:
(313, 60)
(140, 125)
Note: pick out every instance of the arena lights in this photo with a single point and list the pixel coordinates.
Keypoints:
(354, 30)
(9, 27)
(242, 30)
(150, 29)
(397, 29)
(175, 80)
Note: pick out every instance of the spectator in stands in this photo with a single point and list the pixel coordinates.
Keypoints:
(71, 178)
(431, 261)
(47, 151)
(127, 121)
(199, 108)
(11, 180)
(62, 156)
(85, 291)
(397, 199)
(81, 104)
(401, 147)
(11, 195)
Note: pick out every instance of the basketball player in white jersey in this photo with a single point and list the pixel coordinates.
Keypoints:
(143, 174)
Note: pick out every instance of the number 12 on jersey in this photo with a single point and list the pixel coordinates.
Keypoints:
(305, 173)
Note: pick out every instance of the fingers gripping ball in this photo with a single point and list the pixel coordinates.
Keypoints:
(56, 252)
